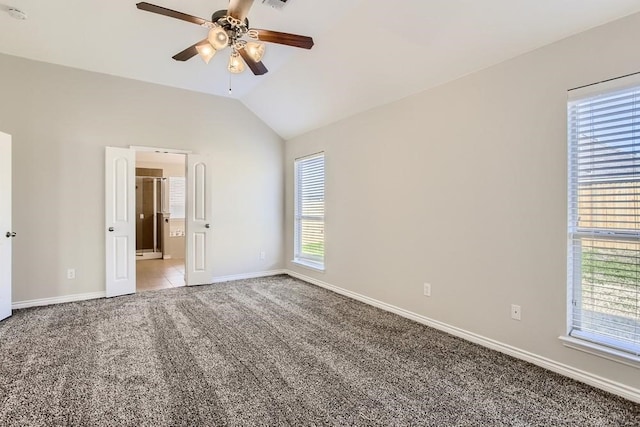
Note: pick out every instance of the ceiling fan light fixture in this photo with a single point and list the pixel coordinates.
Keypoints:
(228, 28)
(236, 64)
(206, 51)
(255, 50)
(218, 38)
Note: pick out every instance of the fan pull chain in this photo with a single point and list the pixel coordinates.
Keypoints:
(230, 92)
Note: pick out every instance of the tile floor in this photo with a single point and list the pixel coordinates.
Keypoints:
(154, 274)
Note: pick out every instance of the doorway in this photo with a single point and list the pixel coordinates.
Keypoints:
(160, 220)
(120, 219)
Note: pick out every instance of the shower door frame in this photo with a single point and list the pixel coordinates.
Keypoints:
(141, 252)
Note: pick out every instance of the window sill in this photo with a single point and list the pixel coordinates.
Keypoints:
(309, 264)
(601, 351)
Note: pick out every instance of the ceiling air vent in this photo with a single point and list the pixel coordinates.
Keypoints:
(276, 4)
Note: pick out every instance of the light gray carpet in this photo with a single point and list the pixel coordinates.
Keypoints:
(273, 351)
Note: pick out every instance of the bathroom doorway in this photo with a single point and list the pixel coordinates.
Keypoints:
(149, 213)
(160, 220)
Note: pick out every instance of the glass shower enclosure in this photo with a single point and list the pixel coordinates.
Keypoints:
(149, 194)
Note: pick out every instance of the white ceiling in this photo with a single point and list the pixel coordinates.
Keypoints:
(366, 53)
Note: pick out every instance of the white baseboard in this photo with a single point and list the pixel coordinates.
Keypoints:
(57, 300)
(614, 387)
(220, 279)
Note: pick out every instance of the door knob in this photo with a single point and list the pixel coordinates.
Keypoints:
(10, 234)
(207, 226)
(110, 228)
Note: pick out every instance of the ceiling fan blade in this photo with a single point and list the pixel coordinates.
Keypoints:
(258, 68)
(148, 7)
(239, 9)
(189, 52)
(294, 40)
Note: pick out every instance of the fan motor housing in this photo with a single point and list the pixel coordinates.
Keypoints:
(222, 13)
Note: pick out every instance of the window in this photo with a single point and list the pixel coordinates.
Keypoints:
(604, 215)
(309, 211)
(177, 191)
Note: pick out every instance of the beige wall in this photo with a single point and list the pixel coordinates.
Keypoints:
(61, 119)
(464, 187)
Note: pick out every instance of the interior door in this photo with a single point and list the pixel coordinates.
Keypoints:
(199, 263)
(120, 222)
(5, 225)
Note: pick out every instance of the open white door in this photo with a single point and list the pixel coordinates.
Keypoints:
(199, 268)
(5, 225)
(120, 233)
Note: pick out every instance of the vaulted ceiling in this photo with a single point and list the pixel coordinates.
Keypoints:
(366, 53)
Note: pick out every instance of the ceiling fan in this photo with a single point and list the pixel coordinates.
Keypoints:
(228, 28)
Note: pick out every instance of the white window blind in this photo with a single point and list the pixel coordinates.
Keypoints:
(177, 192)
(604, 216)
(309, 210)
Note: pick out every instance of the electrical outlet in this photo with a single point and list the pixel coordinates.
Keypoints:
(263, 255)
(427, 289)
(71, 273)
(516, 312)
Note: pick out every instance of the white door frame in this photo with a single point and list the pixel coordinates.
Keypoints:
(199, 241)
(137, 148)
(160, 150)
(199, 277)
